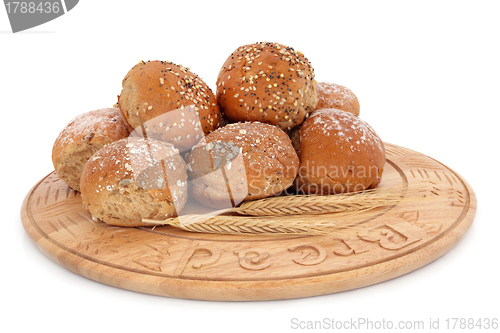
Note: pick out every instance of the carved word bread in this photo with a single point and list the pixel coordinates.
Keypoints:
(168, 102)
(335, 96)
(338, 153)
(241, 162)
(267, 82)
(81, 138)
(134, 179)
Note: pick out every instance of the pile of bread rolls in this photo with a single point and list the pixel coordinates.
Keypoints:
(269, 129)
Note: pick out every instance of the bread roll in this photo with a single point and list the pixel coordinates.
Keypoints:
(338, 153)
(134, 179)
(241, 162)
(167, 102)
(267, 82)
(81, 138)
(334, 96)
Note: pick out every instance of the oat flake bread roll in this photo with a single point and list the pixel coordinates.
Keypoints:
(335, 96)
(338, 153)
(167, 102)
(134, 179)
(241, 162)
(81, 138)
(267, 82)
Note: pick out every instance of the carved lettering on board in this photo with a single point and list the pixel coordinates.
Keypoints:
(204, 256)
(253, 259)
(350, 247)
(196, 256)
(176, 257)
(310, 254)
(394, 235)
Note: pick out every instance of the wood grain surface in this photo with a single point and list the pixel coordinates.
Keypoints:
(171, 262)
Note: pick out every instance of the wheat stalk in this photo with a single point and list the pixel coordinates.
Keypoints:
(311, 205)
(296, 215)
(232, 224)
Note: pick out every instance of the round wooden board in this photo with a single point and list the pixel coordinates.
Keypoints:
(171, 262)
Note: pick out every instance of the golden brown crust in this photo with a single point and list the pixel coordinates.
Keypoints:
(241, 162)
(267, 82)
(82, 137)
(170, 102)
(134, 179)
(335, 96)
(339, 153)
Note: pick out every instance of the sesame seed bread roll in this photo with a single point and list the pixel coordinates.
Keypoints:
(168, 102)
(267, 82)
(81, 138)
(335, 96)
(241, 162)
(134, 179)
(338, 153)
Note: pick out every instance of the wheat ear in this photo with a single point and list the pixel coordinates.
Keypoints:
(312, 205)
(229, 224)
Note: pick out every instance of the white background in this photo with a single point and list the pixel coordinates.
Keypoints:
(426, 73)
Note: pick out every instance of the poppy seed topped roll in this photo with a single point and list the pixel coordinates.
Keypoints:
(168, 102)
(241, 162)
(267, 82)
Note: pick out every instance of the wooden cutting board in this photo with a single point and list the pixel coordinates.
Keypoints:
(171, 262)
